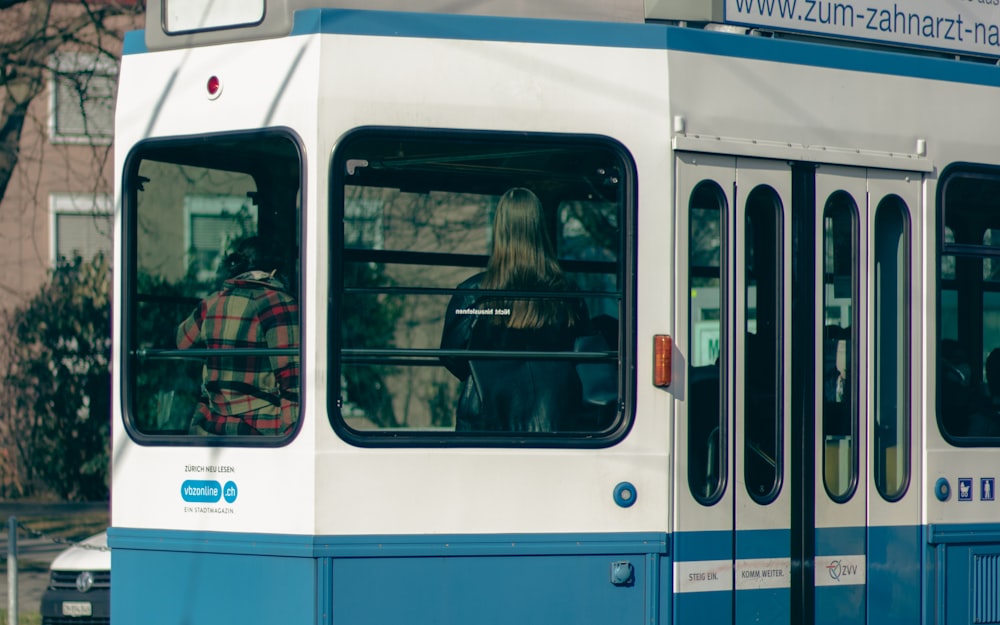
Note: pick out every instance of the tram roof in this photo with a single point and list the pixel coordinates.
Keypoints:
(970, 30)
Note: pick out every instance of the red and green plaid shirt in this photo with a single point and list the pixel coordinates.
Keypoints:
(250, 394)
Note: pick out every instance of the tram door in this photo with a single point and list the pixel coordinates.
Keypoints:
(771, 517)
(838, 377)
(865, 470)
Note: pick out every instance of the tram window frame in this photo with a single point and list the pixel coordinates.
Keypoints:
(449, 176)
(966, 415)
(892, 333)
(707, 418)
(836, 265)
(763, 383)
(270, 161)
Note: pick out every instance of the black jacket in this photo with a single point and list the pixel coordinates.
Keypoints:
(512, 395)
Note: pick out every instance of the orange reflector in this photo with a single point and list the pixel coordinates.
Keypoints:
(662, 345)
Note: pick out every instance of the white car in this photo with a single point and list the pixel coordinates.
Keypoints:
(79, 590)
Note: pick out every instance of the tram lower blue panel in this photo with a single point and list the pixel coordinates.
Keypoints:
(164, 588)
(964, 565)
(839, 599)
(894, 575)
(764, 606)
(844, 605)
(702, 608)
(190, 578)
(714, 606)
(486, 591)
(196, 578)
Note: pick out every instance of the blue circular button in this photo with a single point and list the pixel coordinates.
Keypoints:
(625, 494)
(942, 489)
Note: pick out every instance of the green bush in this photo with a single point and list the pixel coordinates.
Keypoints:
(57, 387)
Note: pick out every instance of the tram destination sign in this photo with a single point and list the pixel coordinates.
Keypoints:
(962, 26)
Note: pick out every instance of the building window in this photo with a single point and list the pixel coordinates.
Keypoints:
(213, 223)
(82, 98)
(80, 225)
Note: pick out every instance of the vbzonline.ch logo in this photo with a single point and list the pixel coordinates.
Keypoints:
(208, 491)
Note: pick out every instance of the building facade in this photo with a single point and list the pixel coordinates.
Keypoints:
(59, 200)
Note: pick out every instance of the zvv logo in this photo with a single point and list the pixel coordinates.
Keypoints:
(838, 569)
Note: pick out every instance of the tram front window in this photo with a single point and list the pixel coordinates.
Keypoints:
(211, 231)
(477, 288)
(969, 307)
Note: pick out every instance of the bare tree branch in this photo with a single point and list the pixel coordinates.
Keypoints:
(33, 31)
(36, 37)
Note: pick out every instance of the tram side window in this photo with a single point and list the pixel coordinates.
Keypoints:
(892, 348)
(706, 450)
(211, 247)
(968, 379)
(477, 288)
(839, 346)
(762, 354)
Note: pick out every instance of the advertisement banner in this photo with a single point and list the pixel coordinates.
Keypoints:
(962, 26)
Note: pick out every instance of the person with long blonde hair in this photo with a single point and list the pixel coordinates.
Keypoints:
(534, 394)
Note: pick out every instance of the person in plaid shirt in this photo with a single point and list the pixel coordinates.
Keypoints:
(247, 394)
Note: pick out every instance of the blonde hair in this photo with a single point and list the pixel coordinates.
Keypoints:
(523, 259)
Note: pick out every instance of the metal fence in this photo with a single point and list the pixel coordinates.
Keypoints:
(13, 527)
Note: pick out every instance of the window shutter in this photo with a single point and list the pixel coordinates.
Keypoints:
(82, 234)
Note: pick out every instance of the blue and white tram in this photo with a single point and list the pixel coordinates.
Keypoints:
(782, 228)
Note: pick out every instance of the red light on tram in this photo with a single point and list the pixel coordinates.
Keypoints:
(214, 87)
(662, 346)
